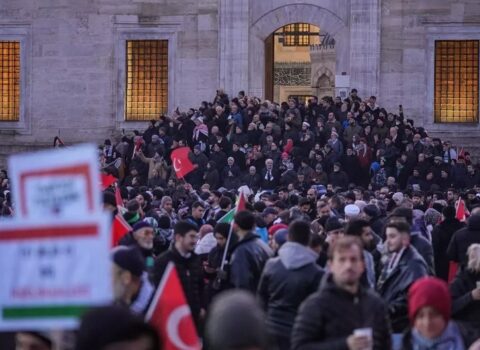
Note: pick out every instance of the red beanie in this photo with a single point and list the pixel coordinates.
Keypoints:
(429, 291)
(274, 228)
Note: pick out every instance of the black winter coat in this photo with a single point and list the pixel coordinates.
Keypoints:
(252, 181)
(248, 259)
(462, 239)
(464, 308)
(393, 288)
(191, 277)
(272, 183)
(286, 282)
(339, 179)
(329, 316)
(441, 237)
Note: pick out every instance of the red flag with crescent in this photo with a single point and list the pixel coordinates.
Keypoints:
(170, 314)
(107, 181)
(180, 161)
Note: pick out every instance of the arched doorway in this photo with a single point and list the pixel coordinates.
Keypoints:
(262, 44)
(299, 61)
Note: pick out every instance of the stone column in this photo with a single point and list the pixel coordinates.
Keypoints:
(233, 37)
(365, 46)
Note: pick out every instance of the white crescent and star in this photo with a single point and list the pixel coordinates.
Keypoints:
(173, 323)
(177, 164)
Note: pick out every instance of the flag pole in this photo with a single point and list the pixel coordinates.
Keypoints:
(224, 257)
(218, 279)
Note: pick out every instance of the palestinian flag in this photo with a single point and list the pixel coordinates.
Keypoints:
(241, 205)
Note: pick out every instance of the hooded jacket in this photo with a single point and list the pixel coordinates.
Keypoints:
(286, 282)
(462, 239)
(330, 315)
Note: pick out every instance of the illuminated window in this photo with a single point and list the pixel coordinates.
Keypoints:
(147, 79)
(456, 81)
(296, 34)
(9, 81)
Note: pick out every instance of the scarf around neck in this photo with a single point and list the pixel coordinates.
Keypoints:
(450, 339)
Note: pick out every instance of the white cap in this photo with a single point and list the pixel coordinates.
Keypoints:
(352, 210)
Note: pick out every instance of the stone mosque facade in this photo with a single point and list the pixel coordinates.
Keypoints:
(81, 69)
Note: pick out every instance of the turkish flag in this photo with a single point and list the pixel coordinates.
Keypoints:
(107, 180)
(119, 229)
(180, 161)
(170, 314)
(461, 213)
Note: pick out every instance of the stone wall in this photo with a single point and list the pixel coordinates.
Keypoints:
(72, 80)
(408, 31)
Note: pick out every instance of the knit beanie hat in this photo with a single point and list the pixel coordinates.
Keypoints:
(333, 224)
(432, 217)
(429, 291)
(139, 225)
(109, 198)
(274, 228)
(130, 259)
(164, 222)
(280, 236)
(371, 210)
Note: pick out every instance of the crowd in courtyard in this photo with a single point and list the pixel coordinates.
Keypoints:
(358, 230)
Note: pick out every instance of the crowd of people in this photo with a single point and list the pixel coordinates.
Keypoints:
(359, 230)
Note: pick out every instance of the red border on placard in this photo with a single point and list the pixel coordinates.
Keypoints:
(82, 169)
(23, 233)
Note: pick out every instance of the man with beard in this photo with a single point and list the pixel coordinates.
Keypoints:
(329, 318)
(361, 229)
(188, 265)
(404, 266)
(141, 236)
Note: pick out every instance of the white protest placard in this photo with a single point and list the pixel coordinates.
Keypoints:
(53, 271)
(56, 183)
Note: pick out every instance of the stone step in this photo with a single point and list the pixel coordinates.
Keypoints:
(469, 140)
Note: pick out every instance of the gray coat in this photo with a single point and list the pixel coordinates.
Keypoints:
(286, 282)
